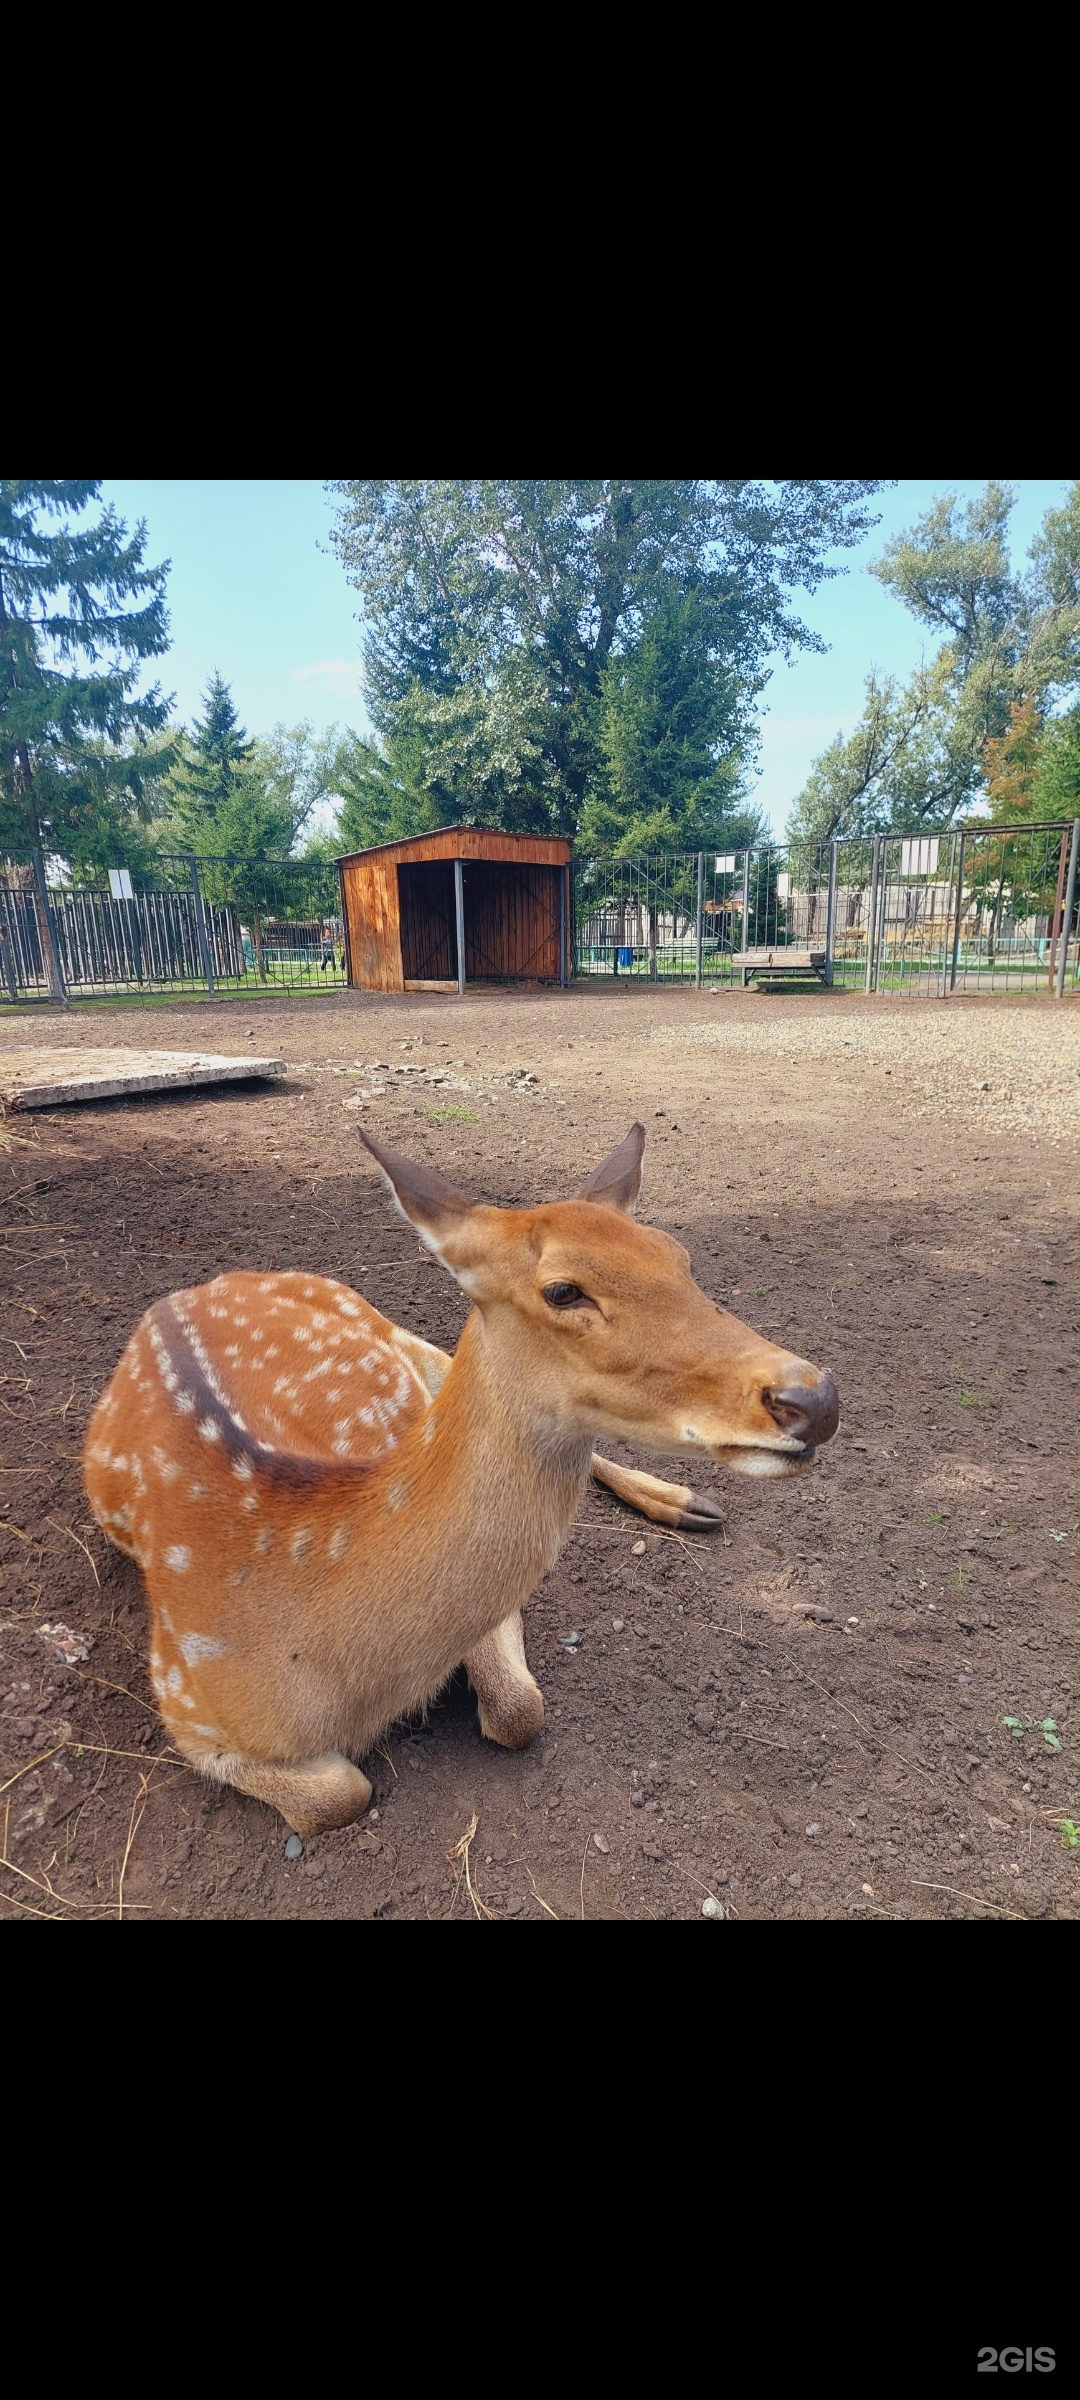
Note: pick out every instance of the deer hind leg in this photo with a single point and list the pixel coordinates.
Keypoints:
(511, 1702)
(665, 1503)
(312, 1794)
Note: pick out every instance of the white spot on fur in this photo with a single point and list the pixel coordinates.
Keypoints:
(178, 1557)
(243, 1470)
(339, 1542)
(212, 1732)
(303, 1542)
(397, 1495)
(186, 1403)
(210, 1429)
(242, 1576)
(263, 1540)
(194, 1647)
(174, 1681)
(249, 1503)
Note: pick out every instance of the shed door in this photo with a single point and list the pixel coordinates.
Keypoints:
(428, 922)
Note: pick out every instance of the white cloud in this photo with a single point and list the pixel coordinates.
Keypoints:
(337, 676)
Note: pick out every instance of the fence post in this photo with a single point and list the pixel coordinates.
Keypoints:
(9, 971)
(944, 992)
(956, 924)
(1055, 921)
(53, 965)
(700, 917)
(1069, 898)
(459, 914)
(830, 910)
(200, 928)
(871, 915)
(562, 926)
(745, 905)
(135, 932)
(883, 911)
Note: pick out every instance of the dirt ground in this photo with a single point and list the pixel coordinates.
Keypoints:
(806, 1715)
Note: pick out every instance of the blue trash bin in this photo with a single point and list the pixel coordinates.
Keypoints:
(626, 958)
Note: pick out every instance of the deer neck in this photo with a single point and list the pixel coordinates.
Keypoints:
(499, 1468)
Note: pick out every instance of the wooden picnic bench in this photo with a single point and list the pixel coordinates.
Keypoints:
(778, 962)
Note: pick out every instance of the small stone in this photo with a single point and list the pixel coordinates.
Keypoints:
(294, 1847)
(853, 1620)
(373, 1816)
(869, 1890)
(712, 1908)
(812, 1829)
(637, 1550)
(569, 1641)
(600, 1844)
(618, 1625)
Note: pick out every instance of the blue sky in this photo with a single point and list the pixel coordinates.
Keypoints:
(255, 591)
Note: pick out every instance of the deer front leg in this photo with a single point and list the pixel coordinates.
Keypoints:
(312, 1794)
(665, 1503)
(431, 1365)
(511, 1702)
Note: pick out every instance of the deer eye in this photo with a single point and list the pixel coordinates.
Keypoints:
(566, 1295)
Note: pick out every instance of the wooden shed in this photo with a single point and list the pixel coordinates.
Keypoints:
(454, 907)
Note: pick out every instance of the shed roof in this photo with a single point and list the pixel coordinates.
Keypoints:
(470, 841)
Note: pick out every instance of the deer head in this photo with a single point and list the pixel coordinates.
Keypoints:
(596, 1324)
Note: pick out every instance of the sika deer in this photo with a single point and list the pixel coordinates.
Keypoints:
(330, 1514)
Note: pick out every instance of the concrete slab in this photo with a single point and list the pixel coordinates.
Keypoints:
(49, 1078)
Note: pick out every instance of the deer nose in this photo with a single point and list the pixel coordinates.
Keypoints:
(810, 1412)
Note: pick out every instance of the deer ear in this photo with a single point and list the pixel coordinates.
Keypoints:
(434, 1206)
(618, 1182)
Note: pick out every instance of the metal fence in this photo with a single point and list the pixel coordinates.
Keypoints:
(219, 925)
(980, 908)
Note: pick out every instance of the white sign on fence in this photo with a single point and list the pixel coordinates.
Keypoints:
(783, 887)
(725, 866)
(120, 884)
(921, 857)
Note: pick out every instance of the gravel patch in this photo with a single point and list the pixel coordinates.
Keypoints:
(1011, 1068)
